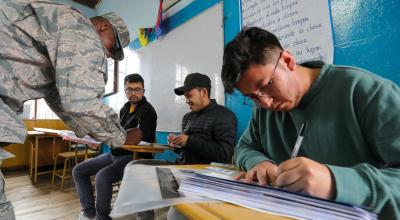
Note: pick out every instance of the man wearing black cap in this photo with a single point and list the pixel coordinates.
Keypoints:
(209, 130)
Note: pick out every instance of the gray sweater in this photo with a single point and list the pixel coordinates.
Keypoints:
(354, 128)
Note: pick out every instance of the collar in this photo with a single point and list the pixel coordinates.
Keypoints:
(318, 82)
(210, 105)
(142, 102)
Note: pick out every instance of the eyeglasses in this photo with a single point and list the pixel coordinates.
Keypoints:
(264, 90)
(135, 90)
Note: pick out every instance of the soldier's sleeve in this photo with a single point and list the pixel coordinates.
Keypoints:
(79, 62)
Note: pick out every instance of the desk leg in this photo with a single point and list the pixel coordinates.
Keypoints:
(31, 149)
(36, 159)
(135, 155)
(54, 148)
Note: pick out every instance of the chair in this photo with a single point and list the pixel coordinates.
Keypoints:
(76, 153)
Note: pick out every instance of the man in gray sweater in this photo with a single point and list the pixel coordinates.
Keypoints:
(350, 151)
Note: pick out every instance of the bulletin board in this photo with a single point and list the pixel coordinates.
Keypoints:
(303, 27)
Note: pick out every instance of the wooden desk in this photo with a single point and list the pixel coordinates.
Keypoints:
(153, 148)
(211, 211)
(35, 136)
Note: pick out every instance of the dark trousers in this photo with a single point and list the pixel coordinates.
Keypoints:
(108, 169)
(6, 209)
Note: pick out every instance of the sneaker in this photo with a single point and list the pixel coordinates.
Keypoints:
(83, 216)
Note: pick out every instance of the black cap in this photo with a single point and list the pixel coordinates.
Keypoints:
(194, 80)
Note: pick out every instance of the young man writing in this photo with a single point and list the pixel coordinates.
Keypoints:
(351, 146)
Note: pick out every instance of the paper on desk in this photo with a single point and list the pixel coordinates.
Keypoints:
(47, 130)
(144, 143)
(215, 184)
(5, 154)
(70, 136)
(150, 187)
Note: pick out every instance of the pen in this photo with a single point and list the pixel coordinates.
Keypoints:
(299, 139)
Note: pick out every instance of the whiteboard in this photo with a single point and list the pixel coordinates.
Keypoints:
(195, 46)
(302, 26)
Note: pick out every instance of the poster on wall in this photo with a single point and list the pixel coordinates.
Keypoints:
(304, 27)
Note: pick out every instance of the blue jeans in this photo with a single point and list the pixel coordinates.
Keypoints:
(108, 169)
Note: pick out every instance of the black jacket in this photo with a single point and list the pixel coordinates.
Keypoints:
(145, 116)
(212, 135)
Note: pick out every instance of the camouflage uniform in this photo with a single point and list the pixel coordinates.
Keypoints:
(50, 50)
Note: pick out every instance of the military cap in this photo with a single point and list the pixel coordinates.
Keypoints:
(121, 35)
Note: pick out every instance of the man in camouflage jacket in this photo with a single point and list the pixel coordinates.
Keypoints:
(52, 51)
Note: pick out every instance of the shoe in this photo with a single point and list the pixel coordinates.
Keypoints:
(83, 216)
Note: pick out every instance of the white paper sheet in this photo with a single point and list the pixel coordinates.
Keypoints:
(141, 189)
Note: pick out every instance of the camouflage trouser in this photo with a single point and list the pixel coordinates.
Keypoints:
(6, 209)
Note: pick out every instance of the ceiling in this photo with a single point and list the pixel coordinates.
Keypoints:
(89, 3)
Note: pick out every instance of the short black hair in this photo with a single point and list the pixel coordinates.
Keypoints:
(251, 46)
(134, 78)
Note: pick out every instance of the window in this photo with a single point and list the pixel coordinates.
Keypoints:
(29, 110)
(37, 109)
(130, 64)
(44, 111)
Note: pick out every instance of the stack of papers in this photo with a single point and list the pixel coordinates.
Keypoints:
(219, 184)
(70, 136)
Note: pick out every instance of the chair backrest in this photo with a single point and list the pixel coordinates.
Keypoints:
(78, 148)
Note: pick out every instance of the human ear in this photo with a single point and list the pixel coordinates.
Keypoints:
(104, 26)
(205, 92)
(289, 60)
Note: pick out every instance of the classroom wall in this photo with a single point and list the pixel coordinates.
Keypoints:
(136, 13)
(366, 35)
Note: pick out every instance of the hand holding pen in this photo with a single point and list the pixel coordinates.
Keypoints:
(177, 141)
(303, 175)
(266, 172)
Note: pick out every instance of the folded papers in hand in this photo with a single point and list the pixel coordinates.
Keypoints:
(70, 136)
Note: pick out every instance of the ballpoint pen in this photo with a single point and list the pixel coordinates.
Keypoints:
(299, 139)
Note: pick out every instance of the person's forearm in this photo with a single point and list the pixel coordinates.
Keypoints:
(367, 186)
